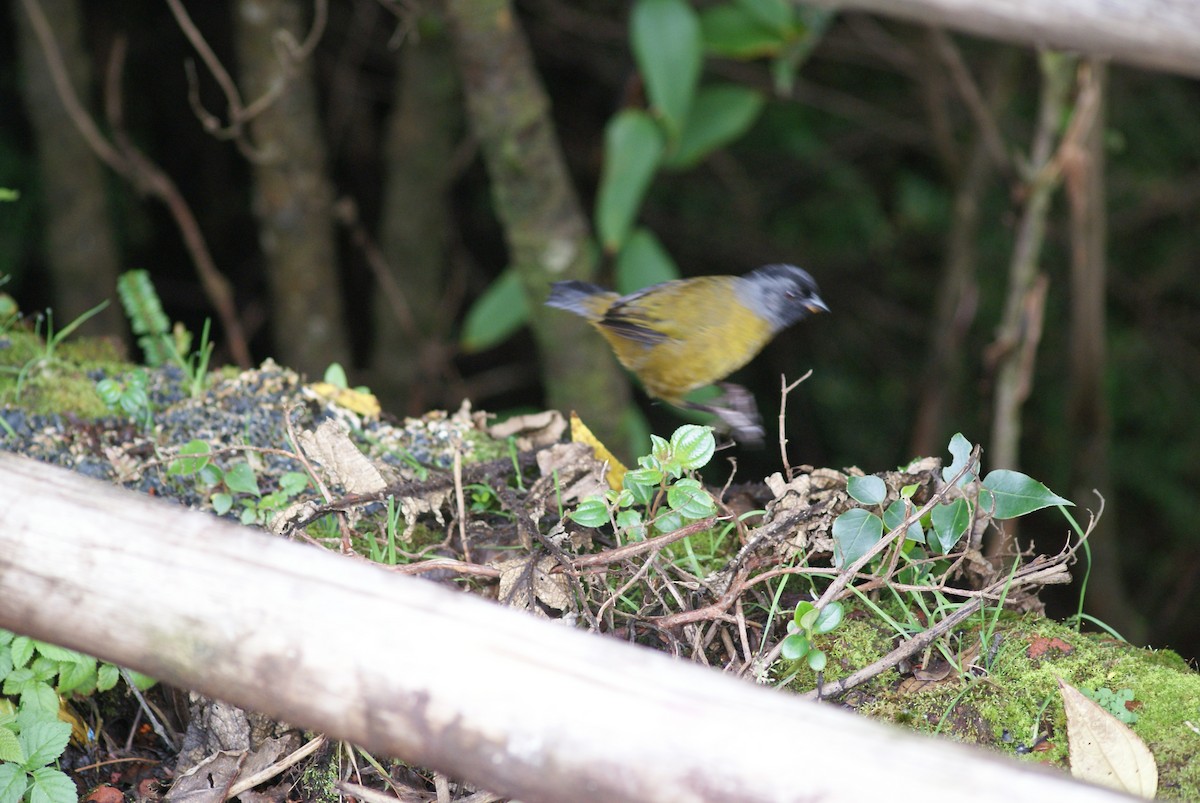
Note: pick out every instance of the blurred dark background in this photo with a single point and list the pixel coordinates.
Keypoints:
(874, 173)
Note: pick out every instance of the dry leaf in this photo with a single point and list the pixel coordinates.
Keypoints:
(531, 431)
(578, 473)
(341, 460)
(551, 589)
(1103, 750)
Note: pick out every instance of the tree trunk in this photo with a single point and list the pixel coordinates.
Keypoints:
(1088, 419)
(292, 193)
(412, 320)
(80, 252)
(547, 233)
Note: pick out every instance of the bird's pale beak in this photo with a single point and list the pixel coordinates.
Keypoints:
(815, 305)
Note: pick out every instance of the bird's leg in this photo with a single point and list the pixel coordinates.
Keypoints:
(737, 412)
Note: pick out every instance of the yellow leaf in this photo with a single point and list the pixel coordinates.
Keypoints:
(581, 434)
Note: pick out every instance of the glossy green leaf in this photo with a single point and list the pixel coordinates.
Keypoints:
(668, 522)
(869, 490)
(719, 115)
(950, 522)
(829, 618)
(193, 456)
(44, 741)
(895, 515)
(729, 30)
(1008, 494)
(633, 149)
(817, 660)
(854, 533)
(688, 498)
(803, 609)
(669, 49)
(642, 262)
(495, 315)
(693, 445)
(591, 512)
(795, 647)
(631, 522)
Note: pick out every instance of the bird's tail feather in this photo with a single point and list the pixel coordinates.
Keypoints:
(581, 298)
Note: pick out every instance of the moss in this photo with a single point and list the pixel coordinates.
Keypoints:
(1012, 701)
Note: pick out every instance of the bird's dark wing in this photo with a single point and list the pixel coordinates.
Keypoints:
(630, 317)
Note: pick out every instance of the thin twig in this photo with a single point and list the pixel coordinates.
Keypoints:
(784, 390)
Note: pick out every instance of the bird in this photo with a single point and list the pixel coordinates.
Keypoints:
(685, 334)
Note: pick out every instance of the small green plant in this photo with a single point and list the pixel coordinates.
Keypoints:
(128, 394)
(1114, 702)
(32, 736)
(159, 340)
(1002, 494)
(807, 623)
(659, 479)
(237, 484)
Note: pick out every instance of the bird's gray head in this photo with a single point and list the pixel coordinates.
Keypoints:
(782, 294)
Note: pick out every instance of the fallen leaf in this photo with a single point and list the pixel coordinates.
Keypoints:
(1104, 751)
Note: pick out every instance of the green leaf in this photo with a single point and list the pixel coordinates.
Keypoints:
(22, 650)
(730, 30)
(293, 482)
(795, 647)
(774, 14)
(817, 660)
(1008, 494)
(669, 49)
(240, 479)
(719, 115)
(193, 456)
(693, 445)
(643, 477)
(38, 697)
(688, 498)
(10, 749)
(950, 522)
(870, 490)
(56, 653)
(43, 742)
(106, 677)
(803, 609)
(854, 533)
(51, 786)
(501, 310)
(633, 148)
(79, 675)
(668, 521)
(591, 512)
(138, 680)
(960, 450)
(830, 617)
(335, 375)
(642, 262)
(631, 522)
(895, 515)
(13, 783)
(222, 503)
